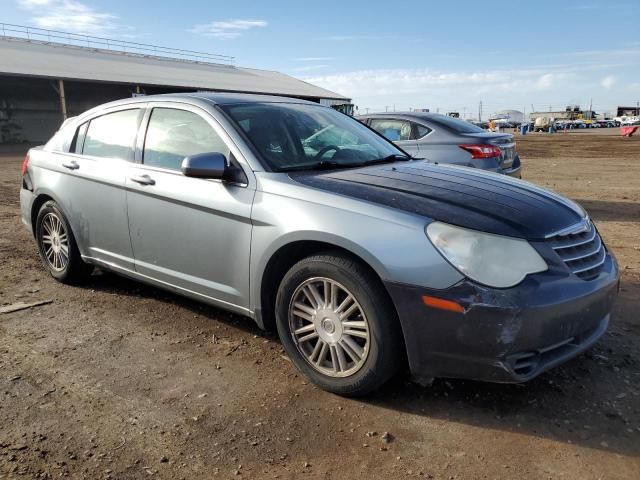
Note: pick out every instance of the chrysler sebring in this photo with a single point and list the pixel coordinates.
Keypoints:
(363, 259)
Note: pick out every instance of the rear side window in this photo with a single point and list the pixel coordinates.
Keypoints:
(112, 135)
(174, 134)
(391, 129)
(421, 130)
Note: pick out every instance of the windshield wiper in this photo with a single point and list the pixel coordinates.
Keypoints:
(396, 157)
(321, 165)
(328, 164)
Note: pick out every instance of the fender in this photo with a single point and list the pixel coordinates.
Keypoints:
(38, 193)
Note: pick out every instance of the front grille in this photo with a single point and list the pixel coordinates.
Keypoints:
(581, 250)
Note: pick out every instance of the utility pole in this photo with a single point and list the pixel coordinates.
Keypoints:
(386, 108)
(480, 111)
(590, 109)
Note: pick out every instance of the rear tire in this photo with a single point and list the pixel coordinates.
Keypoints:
(57, 246)
(337, 324)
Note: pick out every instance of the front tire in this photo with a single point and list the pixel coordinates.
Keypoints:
(337, 324)
(57, 246)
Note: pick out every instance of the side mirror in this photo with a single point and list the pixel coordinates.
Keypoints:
(205, 165)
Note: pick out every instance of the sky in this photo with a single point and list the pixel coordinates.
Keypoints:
(442, 55)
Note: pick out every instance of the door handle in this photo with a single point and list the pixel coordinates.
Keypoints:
(143, 180)
(72, 165)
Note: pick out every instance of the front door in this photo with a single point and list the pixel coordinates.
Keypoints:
(191, 233)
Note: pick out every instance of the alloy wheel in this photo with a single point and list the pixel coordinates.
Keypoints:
(329, 327)
(54, 242)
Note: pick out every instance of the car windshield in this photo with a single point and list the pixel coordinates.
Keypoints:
(292, 136)
(457, 125)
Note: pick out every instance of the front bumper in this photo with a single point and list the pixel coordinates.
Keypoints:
(505, 335)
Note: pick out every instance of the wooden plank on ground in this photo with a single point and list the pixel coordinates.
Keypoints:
(14, 307)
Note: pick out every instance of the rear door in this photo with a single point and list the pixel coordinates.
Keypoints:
(190, 233)
(92, 192)
(399, 131)
(437, 144)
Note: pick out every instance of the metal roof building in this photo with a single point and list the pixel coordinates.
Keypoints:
(47, 75)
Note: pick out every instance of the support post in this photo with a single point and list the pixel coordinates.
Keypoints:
(63, 99)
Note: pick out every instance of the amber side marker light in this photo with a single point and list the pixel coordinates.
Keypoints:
(442, 304)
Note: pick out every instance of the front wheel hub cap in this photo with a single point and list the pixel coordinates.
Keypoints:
(329, 327)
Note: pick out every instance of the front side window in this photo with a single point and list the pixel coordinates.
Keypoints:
(292, 136)
(112, 135)
(174, 134)
(391, 129)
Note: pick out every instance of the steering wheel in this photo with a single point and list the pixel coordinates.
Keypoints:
(326, 149)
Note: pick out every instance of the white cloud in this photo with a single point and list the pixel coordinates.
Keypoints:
(549, 80)
(34, 3)
(69, 15)
(608, 81)
(424, 87)
(227, 29)
(313, 59)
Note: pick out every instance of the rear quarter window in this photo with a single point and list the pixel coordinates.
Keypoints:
(421, 131)
(58, 142)
(55, 143)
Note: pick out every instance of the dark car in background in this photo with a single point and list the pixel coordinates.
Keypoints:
(444, 139)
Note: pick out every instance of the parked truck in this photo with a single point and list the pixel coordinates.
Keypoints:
(542, 124)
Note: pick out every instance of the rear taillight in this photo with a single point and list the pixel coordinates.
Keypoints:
(482, 151)
(25, 164)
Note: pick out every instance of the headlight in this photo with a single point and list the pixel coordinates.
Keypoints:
(492, 260)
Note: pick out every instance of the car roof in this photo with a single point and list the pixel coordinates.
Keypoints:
(427, 118)
(226, 98)
(408, 115)
(198, 98)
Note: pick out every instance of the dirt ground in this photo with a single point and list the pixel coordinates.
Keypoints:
(119, 380)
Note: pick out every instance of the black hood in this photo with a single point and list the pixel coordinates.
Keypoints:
(459, 196)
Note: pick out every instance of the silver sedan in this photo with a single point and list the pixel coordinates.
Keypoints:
(443, 139)
(303, 219)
